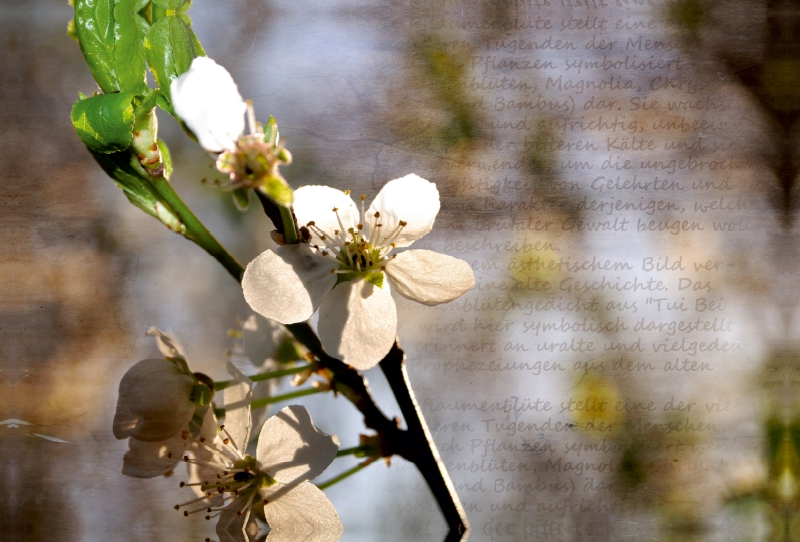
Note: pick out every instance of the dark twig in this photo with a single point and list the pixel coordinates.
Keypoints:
(419, 447)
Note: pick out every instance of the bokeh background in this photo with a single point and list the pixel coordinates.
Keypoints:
(365, 92)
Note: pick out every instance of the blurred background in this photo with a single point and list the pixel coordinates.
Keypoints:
(575, 144)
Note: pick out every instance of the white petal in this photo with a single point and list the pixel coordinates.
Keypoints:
(207, 100)
(291, 448)
(150, 459)
(316, 203)
(301, 513)
(429, 277)
(288, 284)
(231, 526)
(262, 337)
(237, 408)
(167, 344)
(358, 323)
(411, 199)
(153, 402)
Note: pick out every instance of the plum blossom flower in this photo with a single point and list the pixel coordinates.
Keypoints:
(207, 99)
(161, 403)
(341, 270)
(231, 484)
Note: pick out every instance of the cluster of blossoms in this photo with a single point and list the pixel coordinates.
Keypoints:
(339, 267)
(158, 413)
(345, 263)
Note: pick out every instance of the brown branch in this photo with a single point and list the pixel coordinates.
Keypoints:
(415, 444)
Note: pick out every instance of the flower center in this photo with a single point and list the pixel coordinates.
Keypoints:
(360, 254)
(231, 478)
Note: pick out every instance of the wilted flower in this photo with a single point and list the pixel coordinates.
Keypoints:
(161, 403)
(291, 451)
(207, 99)
(341, 270)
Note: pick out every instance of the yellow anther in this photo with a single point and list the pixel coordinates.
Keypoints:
(335, 209)
(361, 226)
(363, 197)
(403, 223)
(346, 192)
(311, 223)
(377, 214)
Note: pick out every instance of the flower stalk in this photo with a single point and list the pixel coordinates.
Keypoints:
(195, 231)
(222, 384)
(346, 474)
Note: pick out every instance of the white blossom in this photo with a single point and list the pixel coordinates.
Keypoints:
(158, 408)
(230, 484)
(207, 99)
(341, 270)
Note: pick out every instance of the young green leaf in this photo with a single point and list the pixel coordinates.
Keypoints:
(105, 122)
(110, 37)
(171, 46)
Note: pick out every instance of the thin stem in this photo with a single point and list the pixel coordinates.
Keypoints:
(345, 474)
(354, 450)
(289, 233)
(285, 397)
(195, 230)
(258, 403)
(222, 384)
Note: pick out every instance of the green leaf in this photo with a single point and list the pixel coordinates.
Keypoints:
(144, 26)
(171, 46)
(104, 123)
(110, 37)
(174, 5)
(241, 197)
(134, 182)
(94, 24)
(129, 62)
